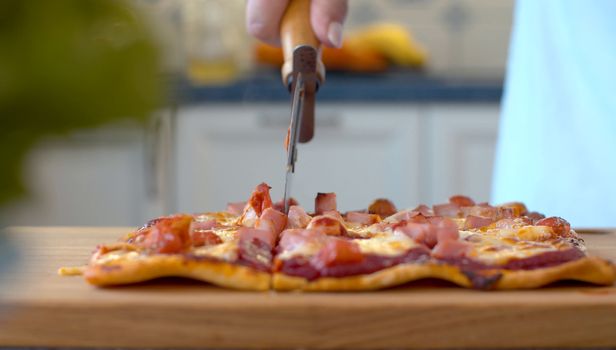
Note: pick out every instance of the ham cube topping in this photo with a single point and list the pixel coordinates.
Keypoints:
(461, 201)
(448, 209)
(473, 221)
(236, 208)
(327, 225)
(273, 220)
(297, 217)
(451, 249)
(338, 252)
(258, 202)
(382, 207)
(362, 218)
(324, 202)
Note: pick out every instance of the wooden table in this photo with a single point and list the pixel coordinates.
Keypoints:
(40, 308)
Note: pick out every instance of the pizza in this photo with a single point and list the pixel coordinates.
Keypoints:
(253, 245)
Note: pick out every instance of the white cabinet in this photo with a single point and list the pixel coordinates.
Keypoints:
(95, 177)
(409, 153)
(461, 140)
(360, 152)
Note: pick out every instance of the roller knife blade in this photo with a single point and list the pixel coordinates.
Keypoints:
(296, 120)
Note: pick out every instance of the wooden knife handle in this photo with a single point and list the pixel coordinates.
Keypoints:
(296, 30)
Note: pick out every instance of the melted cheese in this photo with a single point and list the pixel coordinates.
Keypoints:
(386, 244)
(498, 246)
(226, 251)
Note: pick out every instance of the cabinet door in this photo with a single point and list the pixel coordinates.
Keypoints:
(461, 140)
(360, 152)
(88, 178)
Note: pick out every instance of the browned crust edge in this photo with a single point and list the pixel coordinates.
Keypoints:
(220, 273)
(588, 269)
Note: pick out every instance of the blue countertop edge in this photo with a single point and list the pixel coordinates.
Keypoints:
(343, 87)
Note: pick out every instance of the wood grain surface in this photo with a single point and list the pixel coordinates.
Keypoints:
(40, 308)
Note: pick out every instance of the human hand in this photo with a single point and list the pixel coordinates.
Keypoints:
(327, 16)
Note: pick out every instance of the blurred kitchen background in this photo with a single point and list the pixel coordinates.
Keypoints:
(410, 114)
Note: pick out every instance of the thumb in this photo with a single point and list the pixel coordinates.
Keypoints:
(327, 17)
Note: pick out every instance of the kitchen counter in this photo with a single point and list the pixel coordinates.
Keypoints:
(265, 86)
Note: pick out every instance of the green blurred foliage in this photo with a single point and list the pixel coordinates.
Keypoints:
(69, 64)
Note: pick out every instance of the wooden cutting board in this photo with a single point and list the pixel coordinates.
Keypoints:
(39, 308)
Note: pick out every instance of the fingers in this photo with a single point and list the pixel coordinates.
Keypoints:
(327, 17)
(263, 19)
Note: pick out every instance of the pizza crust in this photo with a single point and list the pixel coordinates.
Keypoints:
(589, 269)
(146, 268)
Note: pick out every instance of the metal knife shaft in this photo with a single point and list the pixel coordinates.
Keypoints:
(296, 122)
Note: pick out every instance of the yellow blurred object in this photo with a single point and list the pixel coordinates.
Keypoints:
(393, 41)
(371, 49)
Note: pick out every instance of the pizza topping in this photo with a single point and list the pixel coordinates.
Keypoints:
(208, 224)
(324, 202)
(258, 202)
(482, 210)
(169, 235)
(518, 208)
(473, 221)
(382, 207)
(204, 238)
(453, 249)
(297, 217)
(280, 204)
(272, 220)
(424, 210)
(328, 225)
(338, 251)
(446, 230)
(236, 208)
(447, 209)
(461, 201)
(559, 225)
(420, 233)
(362, 218)
(534, 216)
(255, 247)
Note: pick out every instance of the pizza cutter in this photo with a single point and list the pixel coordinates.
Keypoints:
(302, 72)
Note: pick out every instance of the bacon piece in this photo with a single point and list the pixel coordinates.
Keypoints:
(461, 201)
(424, 210)
(518, 208)
(404, 215)
(451, 249)
(362, 218)
(535, 216)
(168, 235)
(447, 209)
(247, 234)
(292, 238)
(236, 208)
(255, 247)
(420, 233)
(559, 225)
(297, 217)
(204, 238)
(446, 230)
(272, 220)
(328, 225)
(324, 202)
(280, 205)
(203, 225)
(473, 221)
(334, 214)
(382, 207)
(338, 252)
(258, 202)
(484, 210)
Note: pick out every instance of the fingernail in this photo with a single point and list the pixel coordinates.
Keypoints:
(334, 34)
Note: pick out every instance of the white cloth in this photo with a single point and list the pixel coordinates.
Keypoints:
(557, 140)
